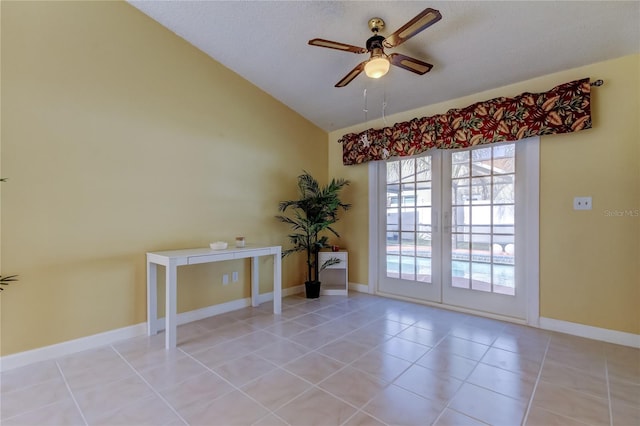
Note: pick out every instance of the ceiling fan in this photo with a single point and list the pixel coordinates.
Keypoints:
(378, 63)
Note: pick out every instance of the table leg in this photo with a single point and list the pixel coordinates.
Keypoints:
(152, 298)
(171, 305)
(277, 282)
(255, 281)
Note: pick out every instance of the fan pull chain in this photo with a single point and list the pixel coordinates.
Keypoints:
(364, 108)
(384, 105)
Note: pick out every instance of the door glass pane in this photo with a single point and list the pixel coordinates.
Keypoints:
(504, 159)
(504, 189)
(393, 266)
(460, 277)
(460, 161)
(423, 269)
(460, 219)
(504, 264)
(392, 243)
(392, 220)
(483, 220)
(408, 243)
(460, 191)
(460, 260)
(408, 220)
(408, 170)
(481, 262)
(423, 169)
(504, 280)
(423, 194)
(481, 276)
(423, 246)
(393, 172)
(481, 190)
(408, 268)
(504, 219)
(424, 219)
(481, 162)
(408, 195)
(393, 191)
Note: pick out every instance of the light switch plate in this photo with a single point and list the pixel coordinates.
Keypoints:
(582, 203)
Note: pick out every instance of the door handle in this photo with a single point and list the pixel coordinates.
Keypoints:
(447, 222)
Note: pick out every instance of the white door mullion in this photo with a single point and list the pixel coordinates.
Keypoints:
(445, 203)
(437, 232)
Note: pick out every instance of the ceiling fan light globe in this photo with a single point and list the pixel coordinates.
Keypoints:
(376, 67)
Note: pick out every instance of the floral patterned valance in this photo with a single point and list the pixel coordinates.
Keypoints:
(563, 109)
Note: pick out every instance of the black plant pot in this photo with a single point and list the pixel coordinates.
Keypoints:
(312, 289)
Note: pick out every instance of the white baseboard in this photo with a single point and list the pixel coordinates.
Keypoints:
(209, 311)
(21, 359)
(9, 362)
(596, 333)
(360, 288)
(290, 291)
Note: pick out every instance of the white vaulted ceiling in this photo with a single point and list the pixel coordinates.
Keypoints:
(478, 45)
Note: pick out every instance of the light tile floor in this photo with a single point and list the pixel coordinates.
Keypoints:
(361, 360)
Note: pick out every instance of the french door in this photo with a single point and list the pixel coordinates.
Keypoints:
(452, 227)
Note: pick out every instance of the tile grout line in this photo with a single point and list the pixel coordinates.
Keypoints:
(349, 365)
(606, 376)
(282, 367)
(150, 386)
(360, 410)
(446, 406)
(235, 388)
(84, 419)
(364, 310)
(477, 362)
(31, 410)
(535, 386)
(313, 385)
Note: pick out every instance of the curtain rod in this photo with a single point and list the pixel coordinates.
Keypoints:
(597, 83)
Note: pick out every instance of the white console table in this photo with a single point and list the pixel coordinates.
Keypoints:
(171, 259)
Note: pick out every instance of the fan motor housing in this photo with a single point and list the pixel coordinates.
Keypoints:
(375, 42)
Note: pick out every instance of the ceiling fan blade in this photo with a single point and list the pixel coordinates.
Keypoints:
(335, 45)
(410, 64)
(352, 74)
(423, 20)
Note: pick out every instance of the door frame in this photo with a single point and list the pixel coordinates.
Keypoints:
(531, 251)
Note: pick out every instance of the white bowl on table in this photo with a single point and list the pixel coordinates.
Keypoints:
(218, 245)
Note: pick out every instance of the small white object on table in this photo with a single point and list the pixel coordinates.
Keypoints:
(171, 259)
(218, 245)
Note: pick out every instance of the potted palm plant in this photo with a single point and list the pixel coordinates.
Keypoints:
(313, 214)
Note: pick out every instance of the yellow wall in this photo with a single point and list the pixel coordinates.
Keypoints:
(589, 261)
(120, 138)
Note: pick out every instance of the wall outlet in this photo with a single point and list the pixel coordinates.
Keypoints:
(234, 277)
(225, 279)
(582, 203)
